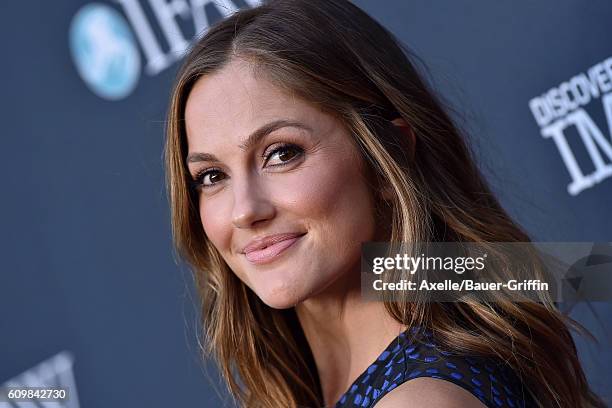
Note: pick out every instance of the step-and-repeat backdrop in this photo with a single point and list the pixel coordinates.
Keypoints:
(90, 295)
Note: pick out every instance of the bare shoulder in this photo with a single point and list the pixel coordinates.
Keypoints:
(426, 392)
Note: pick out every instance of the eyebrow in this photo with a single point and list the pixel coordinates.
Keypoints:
(252, 140)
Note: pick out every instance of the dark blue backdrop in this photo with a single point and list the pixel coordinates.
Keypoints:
(88, 282)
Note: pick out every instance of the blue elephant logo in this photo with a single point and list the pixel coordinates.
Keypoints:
(104, 51)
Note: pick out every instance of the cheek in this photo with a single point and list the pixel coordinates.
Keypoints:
(334, 201)
(217, 226)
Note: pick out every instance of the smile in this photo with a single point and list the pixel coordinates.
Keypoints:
(270, 253)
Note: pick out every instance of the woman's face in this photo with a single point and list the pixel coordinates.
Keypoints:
(274, 166)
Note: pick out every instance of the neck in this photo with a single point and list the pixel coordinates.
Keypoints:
(345, 334)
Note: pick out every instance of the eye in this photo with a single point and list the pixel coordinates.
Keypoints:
(208, 178)
(283, 154)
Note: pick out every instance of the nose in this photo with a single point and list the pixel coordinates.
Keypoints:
(251, 204)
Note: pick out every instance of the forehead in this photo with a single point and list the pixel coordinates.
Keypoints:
(232, 101)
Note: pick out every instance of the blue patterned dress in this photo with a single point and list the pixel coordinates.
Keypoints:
(492, 382)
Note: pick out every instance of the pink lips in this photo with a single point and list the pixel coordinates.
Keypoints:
(269, 248)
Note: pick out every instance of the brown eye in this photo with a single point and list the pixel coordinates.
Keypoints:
(213, 177)
(284, 154)
(209, 178)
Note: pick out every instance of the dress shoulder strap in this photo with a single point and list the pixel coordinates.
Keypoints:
(412, 355)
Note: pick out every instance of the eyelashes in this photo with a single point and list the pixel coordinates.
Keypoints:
(282, 154)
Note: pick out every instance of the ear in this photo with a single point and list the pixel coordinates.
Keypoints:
(387, 192)
(406, 129)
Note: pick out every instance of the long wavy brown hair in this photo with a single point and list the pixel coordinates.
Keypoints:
(335, 56)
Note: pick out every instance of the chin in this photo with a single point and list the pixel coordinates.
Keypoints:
(278, 303)
(280, 297)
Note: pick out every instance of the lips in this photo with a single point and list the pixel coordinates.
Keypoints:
(267, 248)
(269, 240)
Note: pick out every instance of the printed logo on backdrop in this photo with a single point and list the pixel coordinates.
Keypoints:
(561, 113)
(50, 383)
(106, 42)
